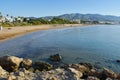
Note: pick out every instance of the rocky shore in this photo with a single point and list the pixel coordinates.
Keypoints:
(15, 68)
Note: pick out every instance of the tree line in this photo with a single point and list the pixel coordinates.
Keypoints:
(23, 21)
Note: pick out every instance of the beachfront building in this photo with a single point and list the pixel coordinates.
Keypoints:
(2, 19)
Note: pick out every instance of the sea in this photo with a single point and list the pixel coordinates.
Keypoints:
(95, 44)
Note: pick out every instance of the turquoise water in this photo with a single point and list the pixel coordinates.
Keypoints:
(99, 45)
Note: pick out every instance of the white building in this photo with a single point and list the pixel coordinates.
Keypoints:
(2, 19)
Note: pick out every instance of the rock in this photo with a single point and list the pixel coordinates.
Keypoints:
(11, 77)
(118, 61)
(31, 69)
(42, 66)
(3, 73)
(26, 63)
(78, 74)
(56, 57)
(118, 76)
(52, 78)
(10, 63)
(79, 67)
(37, 71)
(94, 72)
(88, 65)
(20, 73)
(109, 73)
(109, 79)
(58, 74)
(92, 78)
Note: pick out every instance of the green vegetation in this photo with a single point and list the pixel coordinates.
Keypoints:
(10, 21)
(62, 21)
(39, 21)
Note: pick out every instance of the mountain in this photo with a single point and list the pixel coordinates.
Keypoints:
(91, 17)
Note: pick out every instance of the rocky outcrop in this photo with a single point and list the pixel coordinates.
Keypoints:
(46, 71)
(10, 63)
(56, 57)
(61, 74)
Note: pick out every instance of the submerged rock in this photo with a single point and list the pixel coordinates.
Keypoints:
(42, 66)
(56, 57)
(10, 63)
(118, 61)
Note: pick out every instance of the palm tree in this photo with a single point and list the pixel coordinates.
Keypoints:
(0, 15)
(11, 17)
(7, 15)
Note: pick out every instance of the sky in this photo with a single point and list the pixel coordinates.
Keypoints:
(41, 8)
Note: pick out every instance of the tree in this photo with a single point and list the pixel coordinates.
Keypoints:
(95, 22)
(43, 21)
(7, 15)
(0, 15)
(11, 17)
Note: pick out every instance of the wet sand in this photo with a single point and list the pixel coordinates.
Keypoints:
(12, 32)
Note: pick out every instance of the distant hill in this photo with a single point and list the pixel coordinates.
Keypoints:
(91, 17)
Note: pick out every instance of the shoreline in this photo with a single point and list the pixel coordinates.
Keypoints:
(15, 68)
(11, 32)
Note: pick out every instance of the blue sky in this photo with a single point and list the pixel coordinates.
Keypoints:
(38, 8)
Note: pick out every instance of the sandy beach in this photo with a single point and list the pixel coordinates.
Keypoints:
(12, 32)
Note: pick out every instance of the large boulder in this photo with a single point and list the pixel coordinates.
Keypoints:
(56, 57)
(10, 63)
(42, 66)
